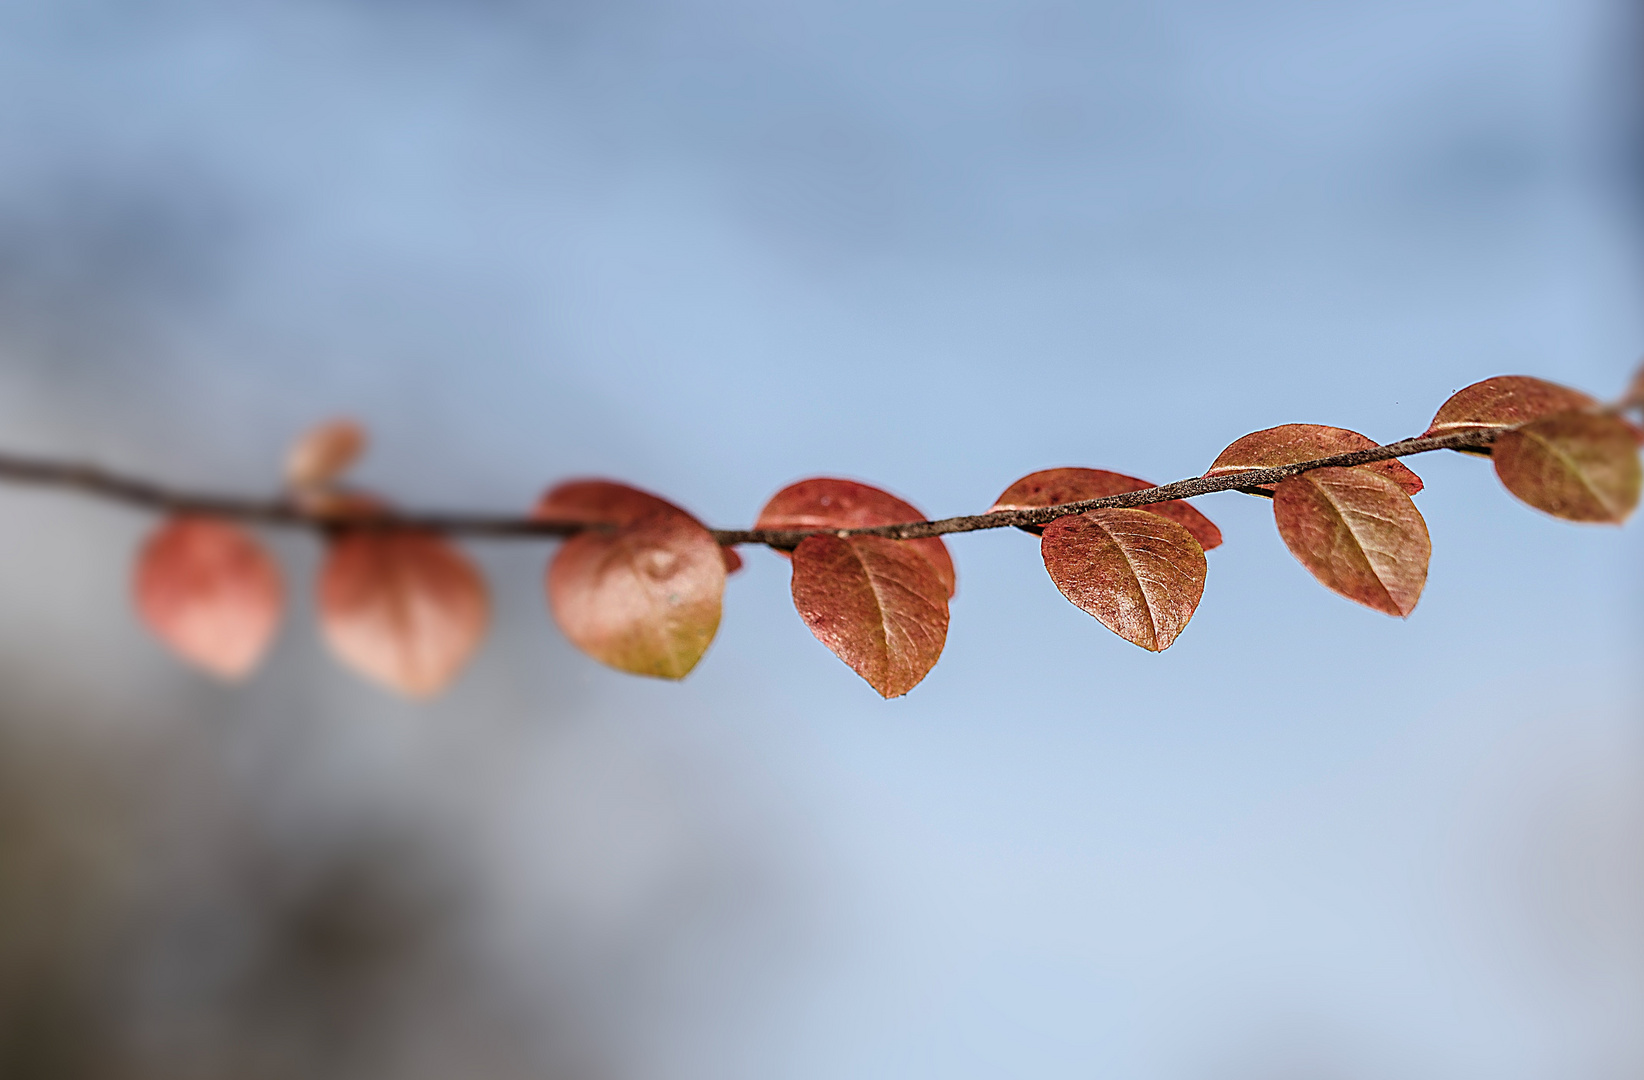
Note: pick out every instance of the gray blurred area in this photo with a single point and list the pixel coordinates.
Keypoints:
(709, 248)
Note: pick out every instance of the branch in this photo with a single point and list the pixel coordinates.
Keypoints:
(148, 495)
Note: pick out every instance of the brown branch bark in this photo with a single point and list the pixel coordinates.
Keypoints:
(148, 495)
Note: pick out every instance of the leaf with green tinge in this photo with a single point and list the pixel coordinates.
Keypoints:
(878, 604)
(644, 597)
(1506, 401)
(827, 503)
(209, 590)
(1289, 444)
(1359, 533)
(404, 608)
(1052, 487)
(1578, 466)
(1141, 574)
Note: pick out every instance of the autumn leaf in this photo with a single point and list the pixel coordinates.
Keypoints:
(825, 503)
(733, 561)
(643, 595)
(323, 453)
(1052, 487)
(1141, 574)
(1579, 466)
(599, 502)
(879, 604)
(1504, 402)
(209, 591)
(1359, 533)
(1290, 444)
(404, 608)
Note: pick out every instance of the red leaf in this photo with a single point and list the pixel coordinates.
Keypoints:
(1289, 444)
(825, 503)
(323, 453)
(211, 592)
(1506, 401)
(1357, 532)
(1052, 487)
(600, 502)
(1578, 466)
(880, 605)
(643, 598)
(733, 561)
(403, 608)
(1141, 574)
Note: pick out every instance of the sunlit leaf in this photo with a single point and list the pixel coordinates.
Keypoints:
(403, 608)
(1141, 574)
(1503, 402)
(1578, 466)
(1052, 487)
(324, 453)
(644, 595)
(1290, 444)
(209, 590)
(1359, 533)
(879, 604)
(825, 503)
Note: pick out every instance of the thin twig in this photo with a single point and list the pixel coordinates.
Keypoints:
(148, 495)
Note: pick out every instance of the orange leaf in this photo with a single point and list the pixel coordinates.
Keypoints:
(1052, 487)
(826, 503)
(1141, 574)
(879, 604)
(1357, 532)
(645, 597)
(733, 561)
(1289, 444)
(1578, 466)
(323, 453)
(211, 592)
(403, 608)
(1504, 402)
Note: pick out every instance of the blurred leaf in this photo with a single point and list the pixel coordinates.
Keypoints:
(1506, 401)
(323, 453)
(1141, 574)
(1052, 487)
(878, 604)
(1578, 466)
(733, 561)
(644, 597)
(1289, 444)
(599, 502)
(825, 503)
(404, 608)
(209, 590)
(1359, 533)
(1634, 398)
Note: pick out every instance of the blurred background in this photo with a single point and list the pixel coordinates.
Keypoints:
(709, 248)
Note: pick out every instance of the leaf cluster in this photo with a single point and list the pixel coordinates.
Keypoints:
(639, 584)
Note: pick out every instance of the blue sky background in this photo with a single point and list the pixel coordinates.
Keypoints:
(713, 247)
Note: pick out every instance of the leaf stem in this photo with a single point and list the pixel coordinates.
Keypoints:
(146, 494)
